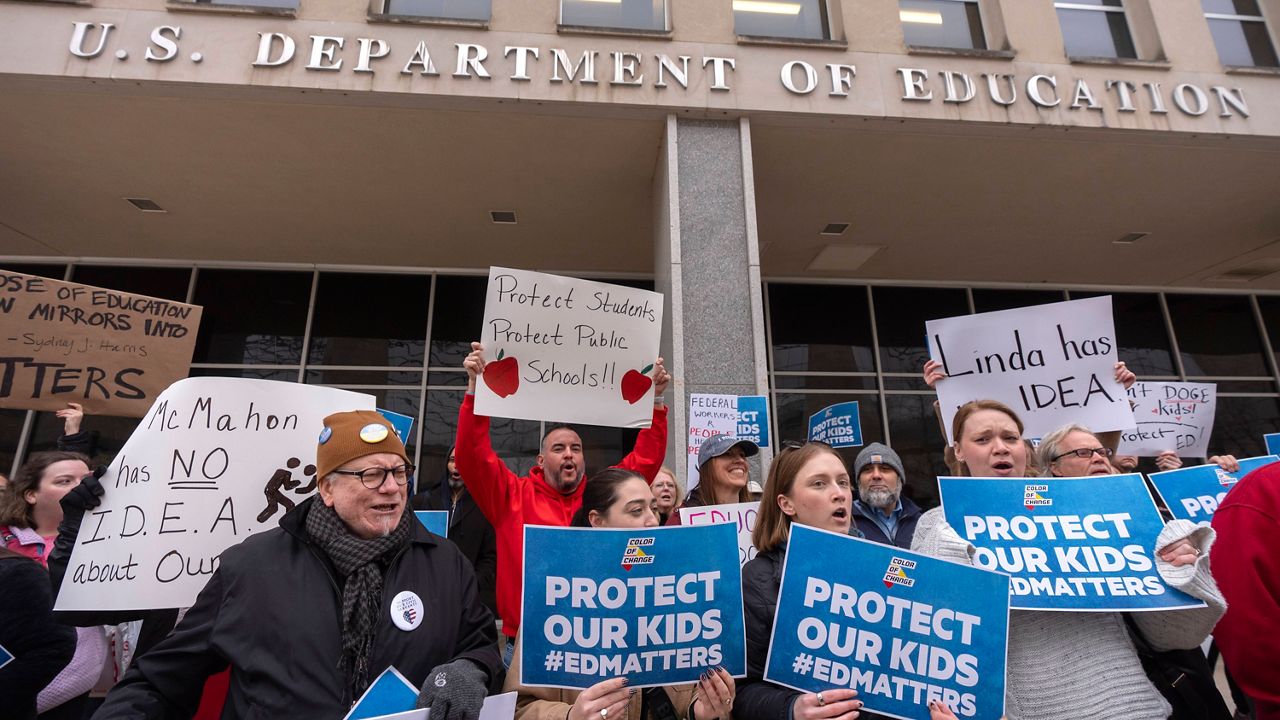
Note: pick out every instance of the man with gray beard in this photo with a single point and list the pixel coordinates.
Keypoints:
(880, 511)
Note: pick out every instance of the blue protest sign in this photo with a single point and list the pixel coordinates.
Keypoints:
(753, 419)
(1194, 493)
(6, 657)
(1273, 443)
(1069, 543)
(899, 627)
(402, 424)
(657, 605)
(390, 693)
(437, 521)
(837, 425)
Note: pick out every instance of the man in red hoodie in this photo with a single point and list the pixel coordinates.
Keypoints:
(552, 491)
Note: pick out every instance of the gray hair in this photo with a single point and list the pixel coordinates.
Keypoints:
(1051, 442)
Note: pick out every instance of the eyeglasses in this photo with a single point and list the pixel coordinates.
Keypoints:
(1086, 453)
(373, 477)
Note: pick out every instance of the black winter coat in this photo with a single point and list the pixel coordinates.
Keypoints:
(40, 646)
(471, 532)
(271, 611)
(871, 529)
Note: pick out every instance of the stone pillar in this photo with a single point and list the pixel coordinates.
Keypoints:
(707, 259)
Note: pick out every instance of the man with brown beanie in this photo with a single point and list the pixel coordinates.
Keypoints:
(308, 614)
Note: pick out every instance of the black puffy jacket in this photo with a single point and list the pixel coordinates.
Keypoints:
(271, 611)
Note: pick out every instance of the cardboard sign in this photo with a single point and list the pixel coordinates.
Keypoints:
(436, 521)
(740, 515)
(746, 416)
(1053, 364)
(1171, 416)
(657, 605)
(112, 352)
(753, 419)
(1194, 493)
(214, 461)
(1077, 544)
(837, 425)
(559, 348)
(899, 627)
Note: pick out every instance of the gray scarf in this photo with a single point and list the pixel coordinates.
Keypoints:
(360, 563)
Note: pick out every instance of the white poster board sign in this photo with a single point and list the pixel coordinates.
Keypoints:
(743, 515)
(1174, 416)
(1053, 364)
(213, 461)
(560, 348)
(709, 415)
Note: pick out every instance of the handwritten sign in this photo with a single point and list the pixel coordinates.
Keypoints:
(837, 425)
(1174, 416)
(1194, 493)
(112, 352)
(740, 515)
(567, 349)
(436, 521)
(1069, 543)
(1053, 364)
(214, 461)
(746, 416)
(903, 629)
(657, 605)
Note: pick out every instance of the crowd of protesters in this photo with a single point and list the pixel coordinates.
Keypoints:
(294, 621)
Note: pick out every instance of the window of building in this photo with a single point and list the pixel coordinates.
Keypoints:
(1217, 337)
(1240, 33)
(167, 283)
(251, 317)
(942, 23)
(371, 320)
(478, 10)
(615, 14)
(1141, 333)
(804, 338)
(901, 314)
(1095, 29)
(275, 4)
(798, 19)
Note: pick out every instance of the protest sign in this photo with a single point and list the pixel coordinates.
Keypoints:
(1077, 544)
(6, 657)
(568, 349)
(1194, 493)
(389, 693)
(112, 352)
(740, 515)
(901, 628)
(403, 424)
(1273, 443)
(1174, 416)
(753, 419)
(837, 425)
(214, 461)
(436, 521)
(1053, 364)
(658, 605)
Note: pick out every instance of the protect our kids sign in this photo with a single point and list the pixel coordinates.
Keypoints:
(1053, 364)
(656, 605)
(1072, 544)
(903, 629)
(213, 461)
(581, 350)
(1194, 493)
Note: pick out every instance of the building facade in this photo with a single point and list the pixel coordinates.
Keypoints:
(806, 181)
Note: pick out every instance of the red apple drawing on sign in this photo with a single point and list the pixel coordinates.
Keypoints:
(635, 384)
(502, 376)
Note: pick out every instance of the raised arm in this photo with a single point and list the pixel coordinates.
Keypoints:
(488, 479)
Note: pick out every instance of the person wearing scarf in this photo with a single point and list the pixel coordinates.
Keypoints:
(309, 614)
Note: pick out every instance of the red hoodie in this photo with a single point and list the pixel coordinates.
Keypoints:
(1246, 563)
(510, 502)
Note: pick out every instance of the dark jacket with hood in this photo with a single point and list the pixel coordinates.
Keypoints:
(39, 646)
(471, 532)
(272, 612)
(871, 530)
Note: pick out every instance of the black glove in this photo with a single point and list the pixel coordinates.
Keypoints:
(85, 496)
(454, 691)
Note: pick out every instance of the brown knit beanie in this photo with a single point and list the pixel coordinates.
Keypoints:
(350, 435)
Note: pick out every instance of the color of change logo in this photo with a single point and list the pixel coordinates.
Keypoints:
(1032, 497)
(635, 555)
(897, 572)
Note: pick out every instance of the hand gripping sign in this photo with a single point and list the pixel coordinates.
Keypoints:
(582, 351)
(214, 461)
(1195, 493)
(901, 628)
(656, 605)
(1077, 544)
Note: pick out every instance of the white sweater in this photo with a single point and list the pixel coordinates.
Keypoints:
(1072, 665)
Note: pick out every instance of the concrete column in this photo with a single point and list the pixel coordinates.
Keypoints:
(707, 258)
